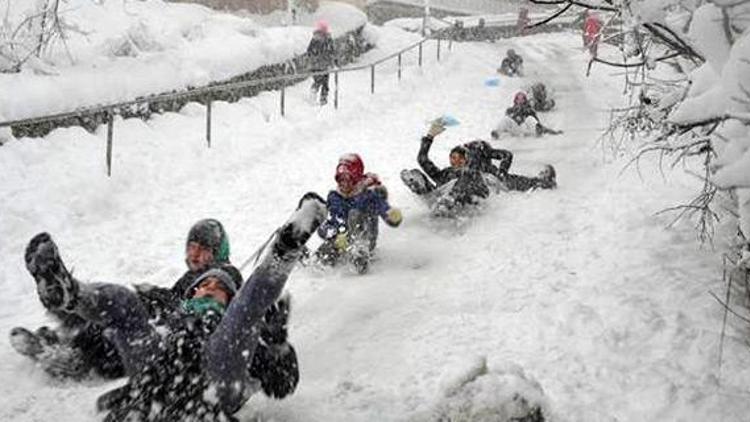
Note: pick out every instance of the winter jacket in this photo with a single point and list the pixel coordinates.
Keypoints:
(511, 66)
(481, 155)
(592, 27)
(519, 113)
(469, 181)
(171, 386)
(321, 52)
(371, 200)
(439, 176)
(161, 301)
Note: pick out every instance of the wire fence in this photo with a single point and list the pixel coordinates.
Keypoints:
(109, 111)
(114, 109)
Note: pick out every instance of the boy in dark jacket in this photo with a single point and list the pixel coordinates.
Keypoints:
(351, 229)
(322, 56)
(451, 187)
(202, 367)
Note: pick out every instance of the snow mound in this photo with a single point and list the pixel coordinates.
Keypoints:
(482, 394)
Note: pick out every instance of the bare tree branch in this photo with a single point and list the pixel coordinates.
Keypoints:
(551, 17)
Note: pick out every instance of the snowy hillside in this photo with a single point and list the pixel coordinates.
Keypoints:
(580, 289)
(120, 50)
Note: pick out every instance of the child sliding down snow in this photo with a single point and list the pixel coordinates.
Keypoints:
(210, 358)
(521, 120)
(496, 162)
(541, 98)
(351, 231)
(450, 189)
(512, 64)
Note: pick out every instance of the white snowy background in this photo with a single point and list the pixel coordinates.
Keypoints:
(581, 289)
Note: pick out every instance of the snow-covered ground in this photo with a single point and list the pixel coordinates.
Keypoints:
(120, 50)
(582, 287)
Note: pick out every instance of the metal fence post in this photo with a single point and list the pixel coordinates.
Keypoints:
(420, 54)
(399, 66)
(110, 130)
(208, 123)
(336, 90)
(438, 49)
(283, 95)
(450, 44)
(372, 79)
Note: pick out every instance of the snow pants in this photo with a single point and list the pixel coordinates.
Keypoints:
(523, 183)
(229, 350)
(320, 84)
(463, 190)
(362, 234)
(508, 125)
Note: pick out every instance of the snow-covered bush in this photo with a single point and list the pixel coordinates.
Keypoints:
(26, 30)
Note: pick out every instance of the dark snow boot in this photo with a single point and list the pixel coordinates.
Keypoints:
(548, 175)
(25, 342)
(541, 130)
(57, 359)
(32, 344)
(416, 181)
(55, 286)
(292, 236)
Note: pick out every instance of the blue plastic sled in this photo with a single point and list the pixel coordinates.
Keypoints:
(449, 120)
(492, 82)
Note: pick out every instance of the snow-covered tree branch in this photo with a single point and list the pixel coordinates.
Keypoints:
(26, 30)
(687, 71)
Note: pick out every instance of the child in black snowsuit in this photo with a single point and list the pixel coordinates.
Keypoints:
(450, 187)
(203, 368)
(322, 56)
(481, 155)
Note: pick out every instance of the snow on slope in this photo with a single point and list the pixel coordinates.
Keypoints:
(124, 49)
(581, 286)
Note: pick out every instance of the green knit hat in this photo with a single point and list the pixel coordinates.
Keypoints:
(210, 233)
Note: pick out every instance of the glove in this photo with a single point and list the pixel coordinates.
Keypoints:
(436, 128)
(394, 217)
(341, 242)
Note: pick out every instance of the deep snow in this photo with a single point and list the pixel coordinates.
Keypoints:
(583, 287)
(120, 50)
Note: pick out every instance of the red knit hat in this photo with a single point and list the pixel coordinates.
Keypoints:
(350, 166)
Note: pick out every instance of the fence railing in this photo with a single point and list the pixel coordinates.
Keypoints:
(111, 110)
